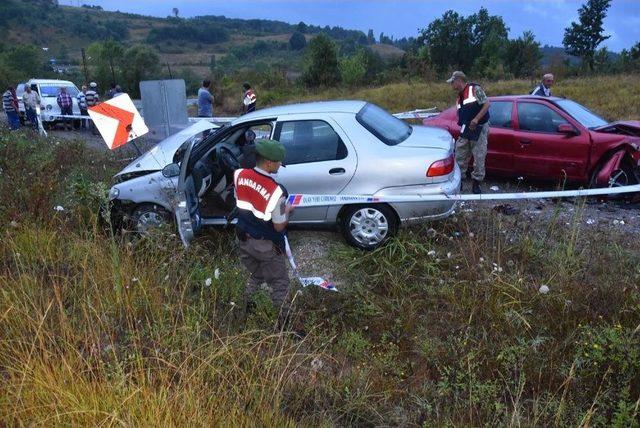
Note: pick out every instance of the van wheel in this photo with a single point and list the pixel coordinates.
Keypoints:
(368, 226)
(149, 218)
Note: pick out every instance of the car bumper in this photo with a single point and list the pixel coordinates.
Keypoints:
(415, 212)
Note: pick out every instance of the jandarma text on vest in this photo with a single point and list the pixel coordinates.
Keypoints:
(255, 186)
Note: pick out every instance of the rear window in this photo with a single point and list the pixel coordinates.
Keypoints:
(389, 129)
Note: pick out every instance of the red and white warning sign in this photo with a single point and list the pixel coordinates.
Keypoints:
(118, 121)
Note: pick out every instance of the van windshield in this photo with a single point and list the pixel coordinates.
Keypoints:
(53, 91)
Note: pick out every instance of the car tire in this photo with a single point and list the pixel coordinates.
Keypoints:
(147, 218)
(623, 176)
(368, 226)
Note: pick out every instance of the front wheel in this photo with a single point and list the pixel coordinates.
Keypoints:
(625, 175)
(368, 226)
(149, 218)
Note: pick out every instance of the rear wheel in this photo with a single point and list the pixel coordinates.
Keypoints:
(368, 226)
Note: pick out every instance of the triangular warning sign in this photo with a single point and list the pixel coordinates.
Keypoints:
(118, 121)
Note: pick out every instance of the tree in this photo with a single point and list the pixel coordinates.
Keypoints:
(106, 59)
(449, 42)
(582, 39)
(175, 11)
(301, 27)
(490, 38)
(371, 39)
(297, 41)
(523, 55)
(143, 63)
(321, 63)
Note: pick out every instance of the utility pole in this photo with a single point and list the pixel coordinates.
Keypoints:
(84, 66)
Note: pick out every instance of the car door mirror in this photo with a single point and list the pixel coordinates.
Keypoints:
(171, 170)
(567, 129)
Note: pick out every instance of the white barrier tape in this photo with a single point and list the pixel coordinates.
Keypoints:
(314, 280)
(66, 116)
(302, 200)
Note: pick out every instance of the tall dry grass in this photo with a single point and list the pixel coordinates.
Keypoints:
(443, 326)
(614, 97)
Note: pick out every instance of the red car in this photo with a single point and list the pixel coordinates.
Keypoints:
(555, 139)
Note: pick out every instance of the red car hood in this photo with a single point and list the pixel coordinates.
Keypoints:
(624, 127)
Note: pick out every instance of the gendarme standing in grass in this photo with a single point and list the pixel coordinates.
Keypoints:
(262, 219)
(473, 118)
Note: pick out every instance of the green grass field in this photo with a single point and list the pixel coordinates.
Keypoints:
(443, 326)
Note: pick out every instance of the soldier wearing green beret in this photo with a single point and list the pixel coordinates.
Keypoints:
(262, 219)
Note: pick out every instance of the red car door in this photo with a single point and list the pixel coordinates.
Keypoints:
(542, 150)
(501, 147)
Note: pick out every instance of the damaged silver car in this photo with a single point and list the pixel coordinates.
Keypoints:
(338, 147)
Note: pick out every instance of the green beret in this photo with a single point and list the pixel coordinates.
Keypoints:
(270, 149)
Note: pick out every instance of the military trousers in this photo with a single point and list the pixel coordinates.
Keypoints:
(466, 148)
(266, 265)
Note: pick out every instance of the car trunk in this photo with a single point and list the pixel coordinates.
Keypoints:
(429, 137)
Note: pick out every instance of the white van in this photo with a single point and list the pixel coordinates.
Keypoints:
(49, 90)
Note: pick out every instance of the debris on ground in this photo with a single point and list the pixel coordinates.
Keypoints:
(506, 209)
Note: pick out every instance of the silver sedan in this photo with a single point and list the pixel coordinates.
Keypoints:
(336, 147)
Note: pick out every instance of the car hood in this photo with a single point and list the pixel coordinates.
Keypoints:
(162, 153)
(623, 127)
(428, 137)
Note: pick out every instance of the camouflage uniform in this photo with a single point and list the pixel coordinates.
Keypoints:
(466, 148)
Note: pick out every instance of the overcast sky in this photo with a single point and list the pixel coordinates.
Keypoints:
(546, 18)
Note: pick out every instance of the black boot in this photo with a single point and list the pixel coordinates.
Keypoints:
(476, 187)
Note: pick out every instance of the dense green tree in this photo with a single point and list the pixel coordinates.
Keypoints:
(297, 41)
(523, 55)
(630, 58)
(301, 27)
(143, 63)
(106, 61)
(583, 38)
(363, 67)
(321, 63)
(449, 42)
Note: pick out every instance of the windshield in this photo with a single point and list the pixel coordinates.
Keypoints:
(390, 130)
(53, 91)
(580, 113)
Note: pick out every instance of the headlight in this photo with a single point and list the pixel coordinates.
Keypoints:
(49, 107)
(114, 193)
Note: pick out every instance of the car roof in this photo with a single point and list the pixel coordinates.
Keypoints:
(523, 97)
(348, 106)
(51, 81)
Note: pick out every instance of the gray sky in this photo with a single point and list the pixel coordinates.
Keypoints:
(546, 18)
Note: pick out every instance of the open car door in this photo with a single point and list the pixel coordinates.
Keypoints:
(187, 210)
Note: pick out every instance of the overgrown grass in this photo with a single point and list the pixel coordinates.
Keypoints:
(443, 326)
(614, 97)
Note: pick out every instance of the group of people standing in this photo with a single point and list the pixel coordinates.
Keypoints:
(87, 97)
(205, 99)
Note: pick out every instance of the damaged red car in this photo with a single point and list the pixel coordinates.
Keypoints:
(555, 139)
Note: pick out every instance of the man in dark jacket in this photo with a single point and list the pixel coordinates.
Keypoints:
(473, 118)
(544, 89)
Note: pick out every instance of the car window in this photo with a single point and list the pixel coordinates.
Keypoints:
(500, 113)
(389, 129)
(53, 91)
(310, 141)
(582, 114)
(538, 118)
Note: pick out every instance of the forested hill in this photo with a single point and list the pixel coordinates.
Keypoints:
(64, 30)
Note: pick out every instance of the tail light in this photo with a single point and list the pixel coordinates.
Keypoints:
(441, 167)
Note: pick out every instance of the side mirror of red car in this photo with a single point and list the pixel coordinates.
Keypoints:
(567, 129)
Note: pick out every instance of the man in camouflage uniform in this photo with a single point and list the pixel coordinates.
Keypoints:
(473, 118)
